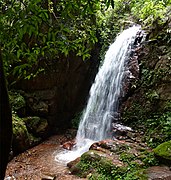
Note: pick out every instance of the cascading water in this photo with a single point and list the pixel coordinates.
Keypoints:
(102, 106)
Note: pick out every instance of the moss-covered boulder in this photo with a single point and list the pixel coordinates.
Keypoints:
(114, 159)
(22, 139)
(17, 102)
(37, 126)
(163, 151)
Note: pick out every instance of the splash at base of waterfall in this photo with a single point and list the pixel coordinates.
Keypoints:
(66, 156)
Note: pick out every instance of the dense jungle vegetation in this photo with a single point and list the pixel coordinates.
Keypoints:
(35, 32)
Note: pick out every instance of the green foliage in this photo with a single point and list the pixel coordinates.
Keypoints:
(158, 129)
(22, 139)
(155, 125)
(99, 167)
(148, 158)
(110, 22)
(33, 32)
(127, 12)
(76, 120)
(148, 11)
(17, 101)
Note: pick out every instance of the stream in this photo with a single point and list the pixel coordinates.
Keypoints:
(39, 163)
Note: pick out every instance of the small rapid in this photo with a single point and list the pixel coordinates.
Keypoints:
(103, 103)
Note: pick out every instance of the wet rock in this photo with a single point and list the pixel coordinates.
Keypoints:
(37, 126)
(158, 173)
(133, 68)
(151, 92)
(163, 152)
(120, 130)
(68, 145)
(114, 146)
(112, 149)
(72, 163)
(107, 144)
(114, 157)
(97, 159)
(74, 166)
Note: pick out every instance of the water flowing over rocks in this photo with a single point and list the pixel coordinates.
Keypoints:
(107, 90)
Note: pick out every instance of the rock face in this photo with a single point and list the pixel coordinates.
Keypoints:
(149, 95)
(27, 130)
(62, 91)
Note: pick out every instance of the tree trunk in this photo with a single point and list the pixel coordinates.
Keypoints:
(5, 122)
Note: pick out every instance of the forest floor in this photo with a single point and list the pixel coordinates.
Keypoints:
(38, 163)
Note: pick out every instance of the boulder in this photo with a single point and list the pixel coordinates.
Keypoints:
(68, 145)
(163, 152)
(37, 126)
(22, 138)
(158, 173)
(74, 168)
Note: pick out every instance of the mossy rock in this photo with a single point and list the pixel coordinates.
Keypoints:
(22, 139)
(37, 126)
(90, 156)
(86, 164)
(17, 102)
(163, 151)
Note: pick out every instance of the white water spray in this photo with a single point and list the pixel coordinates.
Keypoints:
(102, 106)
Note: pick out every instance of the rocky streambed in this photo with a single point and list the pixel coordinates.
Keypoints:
(126, 157)
(39, 163)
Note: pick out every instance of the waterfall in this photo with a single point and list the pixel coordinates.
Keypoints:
(102, 106)
(103, 103)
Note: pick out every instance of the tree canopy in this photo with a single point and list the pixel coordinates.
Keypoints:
(34, 31)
